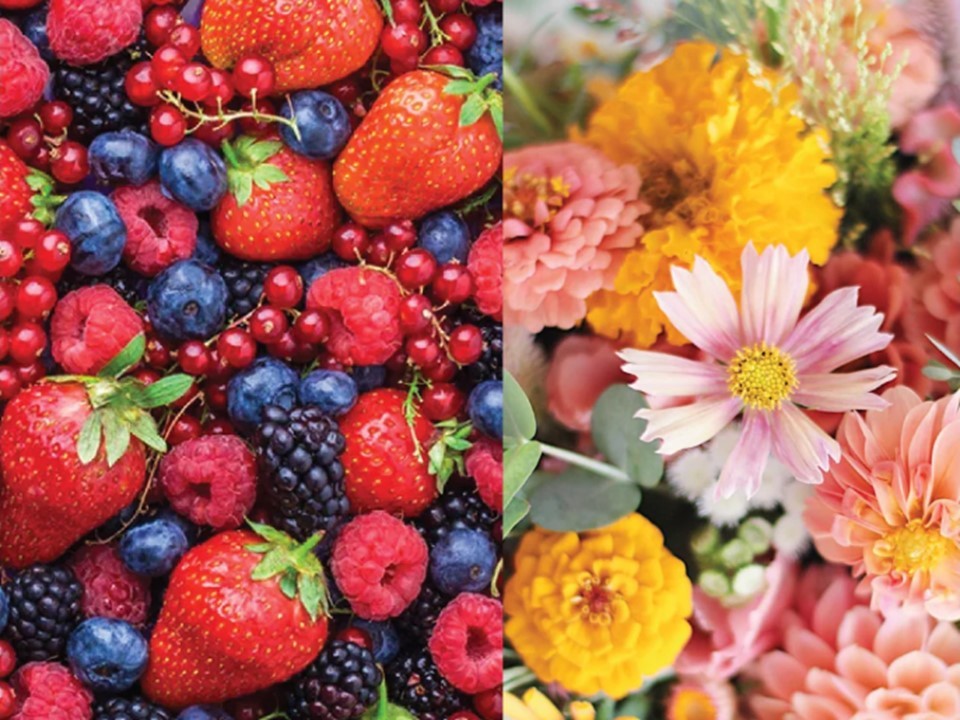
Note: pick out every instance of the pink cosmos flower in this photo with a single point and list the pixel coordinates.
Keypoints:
(764, 361)
(890, 508)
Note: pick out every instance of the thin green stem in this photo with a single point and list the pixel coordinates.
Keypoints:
(515, 85)
(517, 677)
(595, 466)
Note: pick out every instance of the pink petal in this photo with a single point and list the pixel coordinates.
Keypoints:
(841, 392)
(709, 301)
(916, 670)
(903, 632)
(690, 425)
(801, 445)
(774, 288)
(662, 374)
(745, 465)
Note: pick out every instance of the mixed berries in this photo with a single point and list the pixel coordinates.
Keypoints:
(250, 359)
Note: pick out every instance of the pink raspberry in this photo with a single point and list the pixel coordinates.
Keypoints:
(379, 564)
(90, 326)
(484, 462)
(48, 691)
(109, 588)
(83, 32)
(212, 480)
(24, 72)
(486, 265)
(160, 231)
(364, 310)
(467, 643)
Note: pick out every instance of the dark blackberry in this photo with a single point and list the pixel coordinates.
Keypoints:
(44, 610)
(490, 364)
(454, 509)
(417, 621)
(339, 685)
(414, 682)
(97, 96)
(128, 284)
(302, 479)
(135, 708)
(244, 284)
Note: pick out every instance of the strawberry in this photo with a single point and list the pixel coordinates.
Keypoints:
(72, 454)
(244, 610)
(385, 465)
(280, 205)
(23, 191)
(310, 42)
(428, 141)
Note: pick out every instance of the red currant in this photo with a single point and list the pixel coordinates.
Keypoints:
(443, 370)
(446, 54)
(185, 428)
(27, 232)
(422, 350)
(36, 297)
(489, 703)
(27, 341)
(11, 259)
(284, 348)
(221, 426)
(442, 401)
(444, 6)
(69, 163)
(146, 376)
(194, 358)
(400, 66)
(252, 126)
(194, 82)
(466, 344)
(237, 347)
(167, 125)
(346, 90)
(56, 116)
(379, 253)
(8, 701)
(221, 90)
(186, 39)
(157, 354)
(29, 374)
(9, 382)
(268, 324)
(326, 361)
(403, 41)
(400, 235)
(356, 636)
(8, 659)
(53, 251)
(254, 76)
(460, 30)
(311, 327)
(25, 137)
(167, 64)
(220, 370)
(416, 268)
(159, 23)
(416, 314)
(453, 284)
(283, 287)
(214, 133)
(215, 395)
(350, 241)
(42, 160)
(4, 349)
(8, 299)
(464, 715)
(141, 86)
(187, 397)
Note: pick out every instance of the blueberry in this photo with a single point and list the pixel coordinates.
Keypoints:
(107, 655)
(446, 236)
(97, 234)
(267, 381)
(386, 641)
(34, 26)
(463, 561)
(194, 174)
(124, 157)
(204, 712)
(323, 123)
(153, 548)
(318, 267)
(485, 408)
(332, 391)
(206, 250)
(188, 300)
(4, 609)
(486, 53)
(369, 377)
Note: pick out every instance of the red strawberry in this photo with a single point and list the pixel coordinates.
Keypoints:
(59, 481)
(311, 42)
(24, 72)
(243, 611)
(280, 205)
(428, 141)
(384, 468)
(23, 191)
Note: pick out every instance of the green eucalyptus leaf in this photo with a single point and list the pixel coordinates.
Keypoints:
(616, 433)
(519, 462)
(938, 372)
(126, 358)
(514, 513)
(519, 422)
(578, 500)
(88, 441)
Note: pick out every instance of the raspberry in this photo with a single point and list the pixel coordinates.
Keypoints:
(212, 480)
(379, 564)
(159, 231)
(48, 691)
(24, 72)
(83, 32)
(485, 465)
(90, 326)
(109, 588)
(364, 310)
(467, 643)
(486, 265)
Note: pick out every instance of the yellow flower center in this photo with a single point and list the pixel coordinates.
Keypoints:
(525, 193)
(913, 548)
(678, 192)
(762, 376)
(595, 600)
(691, 704)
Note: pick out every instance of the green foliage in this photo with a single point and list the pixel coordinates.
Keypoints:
(938, 372)
(577, 500)
(616, 433)
(521, 453)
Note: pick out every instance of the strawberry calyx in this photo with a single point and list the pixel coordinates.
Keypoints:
(44, 202)
(121, 406)
(480, 97)
(247, 166)
(446, 454)
(298, 568)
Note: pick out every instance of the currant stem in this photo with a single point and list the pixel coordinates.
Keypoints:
(437, 36)
(223, 119)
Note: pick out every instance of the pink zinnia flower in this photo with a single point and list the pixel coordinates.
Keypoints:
(890, 508)
(582, 367)
(570, 216)
(842, 661)
(764, 361)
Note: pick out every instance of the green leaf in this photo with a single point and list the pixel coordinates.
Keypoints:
(455, 71)
(519, 422)
(616, 433)
(144, 428)
(578, 500)
(272, 535)
(472, 110)
(162, 392)
(518, 465)
(311, 594)
(116, 436)
(938, 372)
(261, 151)
(267, 175)
(514, 513)
(88, 441)
(259, 547)
(459, 87)
(241, 186)
(274, 562)
(455, 443)
(496, 114)
(288, 584)
(126, 358)
(387, 8)
(945, 350)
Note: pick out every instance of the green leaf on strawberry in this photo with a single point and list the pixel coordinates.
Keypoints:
(481, 96)
(44, 202)
(446, 454)
(127, 358)
(247, 166)
(88, 442)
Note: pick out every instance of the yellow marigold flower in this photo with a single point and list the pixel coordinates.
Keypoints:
(537, 706)
(724, 161)
(598, 610)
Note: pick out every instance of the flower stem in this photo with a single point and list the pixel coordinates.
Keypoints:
(519, 90)
(595, 466)
(517, 677)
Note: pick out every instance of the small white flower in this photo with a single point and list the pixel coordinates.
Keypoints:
(692, 474)
(722, 445)
(775, 478)
(723, 511)
(790, 535)
(794, 497)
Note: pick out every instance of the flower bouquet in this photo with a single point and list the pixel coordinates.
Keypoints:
(732, 311)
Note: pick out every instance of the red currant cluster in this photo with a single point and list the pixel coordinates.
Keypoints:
(189, 97)
(431, 33)
(40, 140)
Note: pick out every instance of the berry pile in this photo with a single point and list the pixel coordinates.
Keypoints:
(250, 359)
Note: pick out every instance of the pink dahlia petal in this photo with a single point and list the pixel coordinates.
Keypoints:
(659, 374)
(840, 392)
(801, 445)
(774, 289)
(710, 307)
(690, 425)
(745, 465)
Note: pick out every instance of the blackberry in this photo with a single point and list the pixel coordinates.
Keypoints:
(340, 684)
(244, 285)
(44, 610)
(136, 708)
(454, 509)
(490, 364)
(417, 621)
(302, 478)
(128, 284)
(414, 682)
(97, 95)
